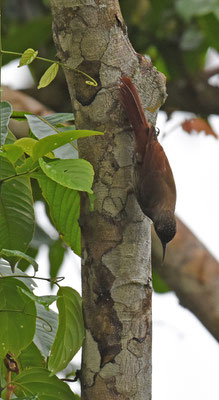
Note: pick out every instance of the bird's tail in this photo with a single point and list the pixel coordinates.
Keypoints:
(132, 105)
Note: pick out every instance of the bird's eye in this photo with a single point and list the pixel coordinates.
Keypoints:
(157, 130)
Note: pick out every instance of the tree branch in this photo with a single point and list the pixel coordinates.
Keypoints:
(193, 273)
(194, 95)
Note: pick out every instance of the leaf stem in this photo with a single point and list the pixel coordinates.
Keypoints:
(15, 53)
(91, 82)
(9, 386)
(52, 280)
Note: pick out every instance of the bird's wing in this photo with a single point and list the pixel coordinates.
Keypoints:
(132, 105)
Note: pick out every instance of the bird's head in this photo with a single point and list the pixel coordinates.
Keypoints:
(165, 227)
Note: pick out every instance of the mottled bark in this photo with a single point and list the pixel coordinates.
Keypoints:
(193, 273)
(116, 274)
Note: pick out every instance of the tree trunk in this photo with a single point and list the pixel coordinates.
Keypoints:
(91, 36)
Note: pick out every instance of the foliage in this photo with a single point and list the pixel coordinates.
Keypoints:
(44, 342)
(176, 34)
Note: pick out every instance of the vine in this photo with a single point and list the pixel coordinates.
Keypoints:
(29, 55)
(31, 358)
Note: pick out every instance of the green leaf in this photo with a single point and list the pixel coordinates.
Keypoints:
(26, 144)
(5, 270)
(5, 113)
(28, 165)
(209, 25)
(32, 253)
(92, 198)
(56, 257)
(70, 334)
(46, 328)
(31, 357)
(17, 314)
(16, 215)
(29, 146)
(20, 115)
(64, 206)
(13, 153)
(10, 139)
(48, 76)
(18, 254)
(188, 9)
(46, 301)
(59, 118)
(27, 57)
(50, 143)
(38, 380)
(41, 129)
(73, 174)
(7, 170)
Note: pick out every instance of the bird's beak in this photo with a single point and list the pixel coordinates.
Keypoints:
(164, 245)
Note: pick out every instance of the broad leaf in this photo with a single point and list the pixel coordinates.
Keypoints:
(5, 113)
(31, 357)
(73, 174)
(27, 57)
(16, 214)
(32, 252)
(20, 115)
(188, 9)
(46, 328)
(70, 332)
(64, 206)
(7, 170)
(38, 380)
(26, 144)
(45, 301)
(28, 165)
(30, 146)
(10, 138)
(39, 128)
(50, 143)
(59, 118)
(5, 270)
(48, 76)
(43, 127)
(5, 253)
(12, 152)
(17, 314)
(56, 257)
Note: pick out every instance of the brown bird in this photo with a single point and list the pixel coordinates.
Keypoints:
(153, 181)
